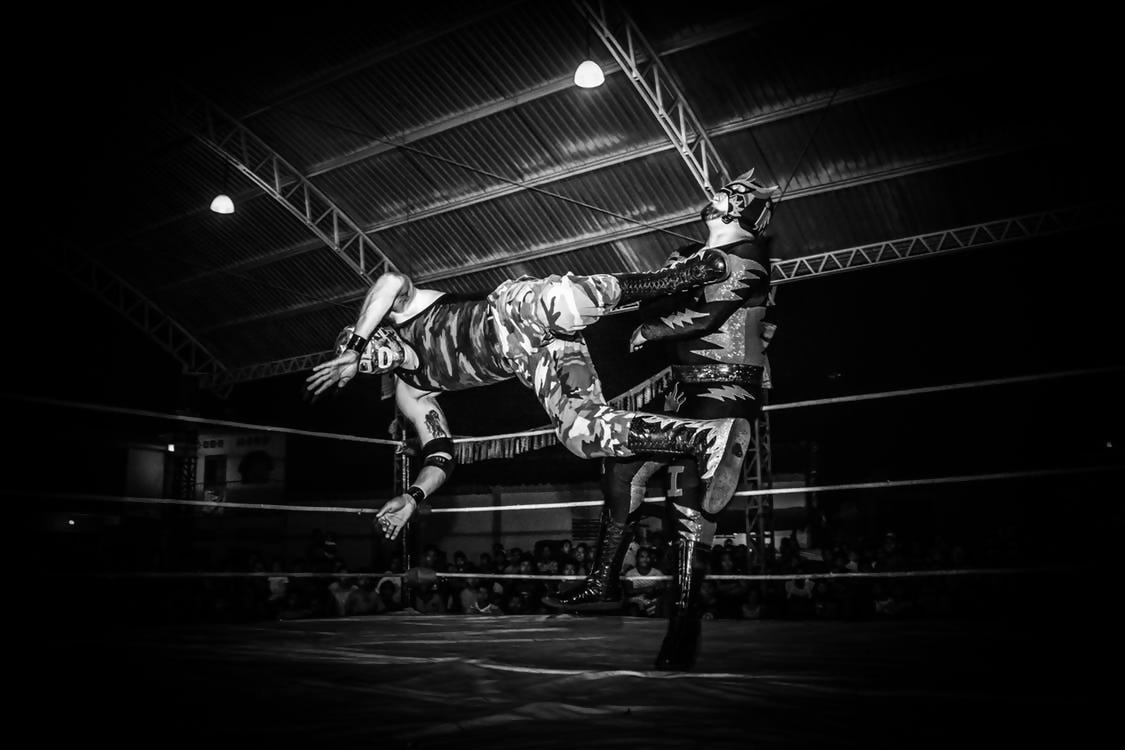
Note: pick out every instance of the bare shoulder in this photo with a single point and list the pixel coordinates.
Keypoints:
(411, 301)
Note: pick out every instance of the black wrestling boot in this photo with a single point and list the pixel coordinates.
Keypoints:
(681, 642)
(601, 591)
(709, 267)
(718, 445)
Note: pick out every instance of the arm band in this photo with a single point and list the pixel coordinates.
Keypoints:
(416, 492)
(356, 343)
(439, 445)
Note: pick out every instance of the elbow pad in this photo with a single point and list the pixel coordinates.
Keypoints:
(435, 446)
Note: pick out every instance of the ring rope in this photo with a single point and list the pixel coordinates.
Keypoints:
(574, 504)
(548, 430)
(859, 396)
(942, 388)
(516, 576)
(198, 420)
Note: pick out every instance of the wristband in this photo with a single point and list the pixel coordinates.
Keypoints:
(416, 492)
(356, 343)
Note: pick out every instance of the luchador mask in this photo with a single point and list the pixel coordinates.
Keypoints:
(384, 351)
(744, 200)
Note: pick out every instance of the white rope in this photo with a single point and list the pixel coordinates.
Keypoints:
(941, 388)
(199, 420)
(195, 503)
(576, 504)
(885, 484)
(515, 577)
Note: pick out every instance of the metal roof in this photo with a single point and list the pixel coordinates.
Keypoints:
(456, 141)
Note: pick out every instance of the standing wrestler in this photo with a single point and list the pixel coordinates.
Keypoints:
(529, 329)
(717, 337)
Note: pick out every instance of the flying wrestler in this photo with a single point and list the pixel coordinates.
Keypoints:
(529, 329)
(717, 337)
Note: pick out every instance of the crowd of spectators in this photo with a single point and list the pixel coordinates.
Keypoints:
(323, 584)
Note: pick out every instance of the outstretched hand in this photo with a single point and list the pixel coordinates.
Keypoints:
(637, 340)
(394, 515)
(338, 372)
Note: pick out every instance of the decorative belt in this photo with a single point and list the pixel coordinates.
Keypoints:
(718, 373)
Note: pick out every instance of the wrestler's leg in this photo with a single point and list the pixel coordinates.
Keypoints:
(681, 642)
(684, 510)
(566, 383)
(623, 486)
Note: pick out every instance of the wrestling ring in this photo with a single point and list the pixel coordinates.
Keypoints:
(560, 680)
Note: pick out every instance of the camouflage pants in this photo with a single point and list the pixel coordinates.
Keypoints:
(540, 322)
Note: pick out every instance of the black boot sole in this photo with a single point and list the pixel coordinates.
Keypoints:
(729, 472)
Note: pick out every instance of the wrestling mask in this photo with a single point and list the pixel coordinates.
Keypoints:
(384, 351)
(744, 200)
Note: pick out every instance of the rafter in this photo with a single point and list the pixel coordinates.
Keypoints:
(622, 233)
(658, 89)
(119, 294)
(971, 236)
(483, 195)
(247, 153)
(706, 36)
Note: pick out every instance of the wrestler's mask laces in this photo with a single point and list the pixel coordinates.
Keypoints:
(384, 351)
(744, 200)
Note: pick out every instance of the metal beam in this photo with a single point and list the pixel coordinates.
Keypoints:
(659, 90)
(247, 153)
(548, 88)
(854, 93)
(266, 369)
(988, 234)
(972, 236)
(140, 311)
(623, 233)
(692, 216)
(719, 31)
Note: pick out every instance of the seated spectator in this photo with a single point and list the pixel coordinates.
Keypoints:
(547, 564)
(641, 590)
(278, 587)
(467, 596)
(484, 604)
(752, 604)
(798, 597)
(340, 588)
(362, 600)
(389, 595)
(708, 602)
(729, 593)
(428, 600)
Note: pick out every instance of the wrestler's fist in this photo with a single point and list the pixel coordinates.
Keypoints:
(394, 515)
(637, 340)
(338, 371)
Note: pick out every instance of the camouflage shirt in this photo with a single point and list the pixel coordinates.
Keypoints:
(456, 343)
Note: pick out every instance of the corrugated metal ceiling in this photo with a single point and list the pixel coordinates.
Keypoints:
(430, 135)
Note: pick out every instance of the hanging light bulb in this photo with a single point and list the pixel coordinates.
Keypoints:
(589, 75)
(222, 204)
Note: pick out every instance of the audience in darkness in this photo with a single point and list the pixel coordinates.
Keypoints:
(321, 583)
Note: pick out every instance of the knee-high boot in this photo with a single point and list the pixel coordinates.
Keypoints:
(681, 641)
(707, 268)
(601, 591)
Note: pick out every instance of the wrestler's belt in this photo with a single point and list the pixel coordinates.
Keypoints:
(718, 373)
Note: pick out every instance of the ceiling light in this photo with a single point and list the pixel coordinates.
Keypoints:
(589, 75)
(222, 204)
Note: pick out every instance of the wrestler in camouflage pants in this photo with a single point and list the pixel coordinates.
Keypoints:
(539, 323)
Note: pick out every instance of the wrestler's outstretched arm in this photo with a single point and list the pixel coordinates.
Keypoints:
(380, 298)
(423, 411)
(704, 313)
